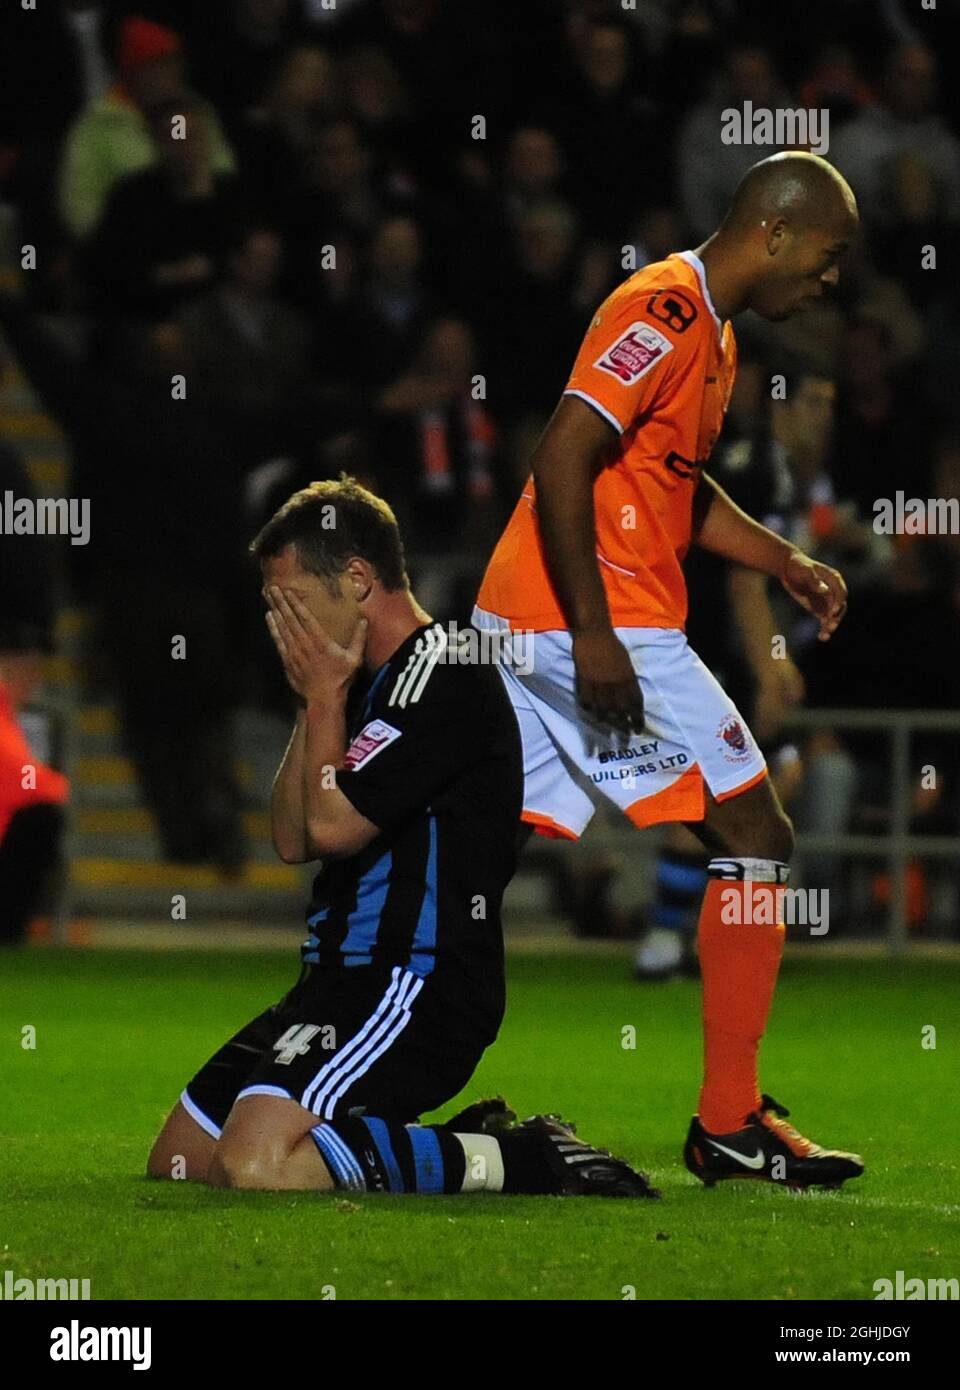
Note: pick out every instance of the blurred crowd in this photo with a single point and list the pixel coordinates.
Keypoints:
(369, 235)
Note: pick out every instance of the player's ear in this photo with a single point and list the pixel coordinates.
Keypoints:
(775, 234)
(360, 577)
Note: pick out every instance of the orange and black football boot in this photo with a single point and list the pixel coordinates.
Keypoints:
(766, 1148)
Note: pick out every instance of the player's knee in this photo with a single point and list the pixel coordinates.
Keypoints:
(239, 1168)
(769, 837)
(780, 839)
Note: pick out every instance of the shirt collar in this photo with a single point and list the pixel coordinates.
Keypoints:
(694, 261)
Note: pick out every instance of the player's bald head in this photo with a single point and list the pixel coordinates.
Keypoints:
(802, 189)
(791, 219)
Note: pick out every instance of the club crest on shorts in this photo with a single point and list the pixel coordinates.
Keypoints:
(634, 353)
(734, 737)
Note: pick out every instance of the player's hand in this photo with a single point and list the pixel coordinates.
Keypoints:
(608, 687)
(818, 588)
(317, 667)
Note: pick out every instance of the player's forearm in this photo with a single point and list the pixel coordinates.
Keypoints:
(754, 617)
(324, 804)
(568, 533)
(287, 817)
(727, 531)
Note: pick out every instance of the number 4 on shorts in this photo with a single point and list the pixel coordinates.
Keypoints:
(295, 1042)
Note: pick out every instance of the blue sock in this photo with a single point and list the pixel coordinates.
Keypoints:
(373, 1155)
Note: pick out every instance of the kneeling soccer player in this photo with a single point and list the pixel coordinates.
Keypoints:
(404, 775)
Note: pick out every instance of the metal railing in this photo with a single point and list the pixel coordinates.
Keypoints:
(897, 846)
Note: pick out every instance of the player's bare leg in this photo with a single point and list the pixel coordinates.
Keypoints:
(266, 1144)
(740, 1132)
(182, 1149)
(751, 825)
(273, 1144)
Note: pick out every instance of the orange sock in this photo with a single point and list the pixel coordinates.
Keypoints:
(740, 943)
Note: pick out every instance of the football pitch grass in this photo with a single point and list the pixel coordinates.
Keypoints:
(118, 1033)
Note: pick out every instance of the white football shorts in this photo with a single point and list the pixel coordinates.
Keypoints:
(693, 734)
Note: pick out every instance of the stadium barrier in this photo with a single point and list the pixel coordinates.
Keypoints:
(49, 724)
(897, 846)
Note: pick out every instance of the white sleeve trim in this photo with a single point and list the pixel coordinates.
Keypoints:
(602, 410)
(264, 1091)
(195, 1113)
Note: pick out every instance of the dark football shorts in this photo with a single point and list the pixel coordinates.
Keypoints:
(365, 1039)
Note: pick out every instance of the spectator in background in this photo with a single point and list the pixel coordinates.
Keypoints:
(445, 55)
(31, 794)
(883, 425)
(251, 353)
(534, 325)
(709, 171)
(339, 195)
(919, 222)
(684, 36)
(376, 98)
(915, 595)
(834, 81)
(658, 233)
(68, 41)
(601, 117)
(234, 53)
(435, 444)
(780, 473)
(391, 306)
(112, 137)
(277, 138)
(166, 507)
(492, 198)
(903, 122)
(533, 172)
(165, 229)
(866, 295)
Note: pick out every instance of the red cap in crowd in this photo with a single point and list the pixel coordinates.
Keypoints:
(142, 41)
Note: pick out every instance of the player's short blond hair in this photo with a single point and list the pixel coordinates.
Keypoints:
(330, 523)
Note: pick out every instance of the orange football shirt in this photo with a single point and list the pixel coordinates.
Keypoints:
(658, 365)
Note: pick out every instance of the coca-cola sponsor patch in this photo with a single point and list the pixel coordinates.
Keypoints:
(634, 353)
(371, 740)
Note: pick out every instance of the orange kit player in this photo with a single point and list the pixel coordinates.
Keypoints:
(590, 562)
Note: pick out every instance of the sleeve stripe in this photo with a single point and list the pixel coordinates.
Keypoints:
(601, 410)
(429, 650)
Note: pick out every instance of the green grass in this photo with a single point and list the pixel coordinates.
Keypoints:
(117, 1034)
